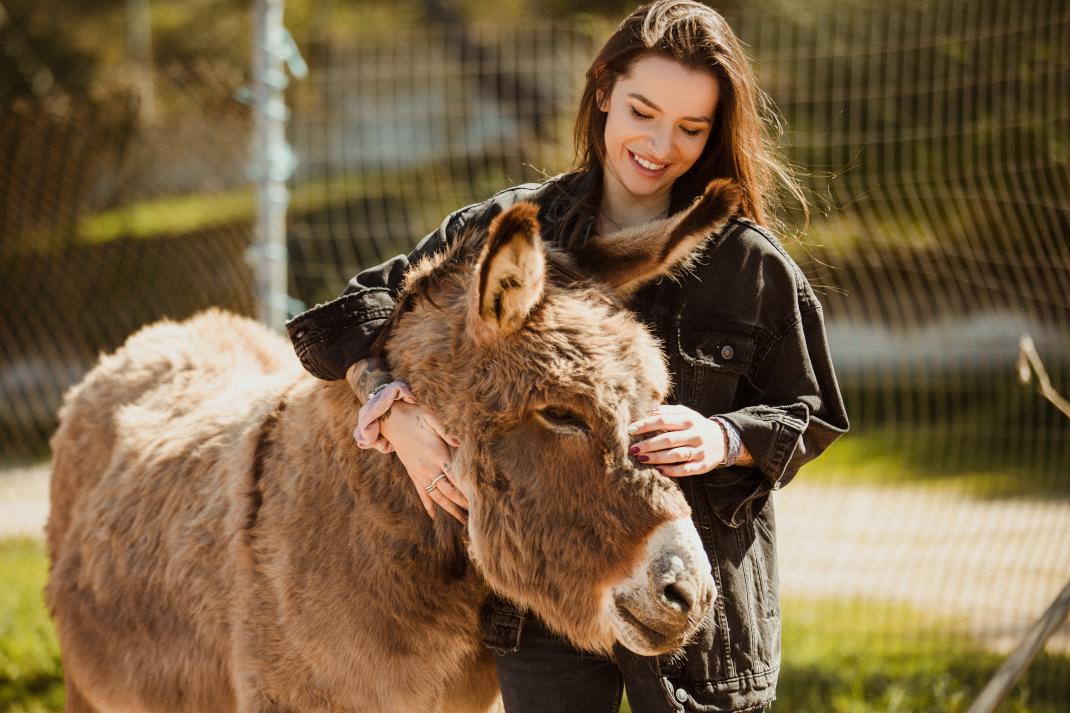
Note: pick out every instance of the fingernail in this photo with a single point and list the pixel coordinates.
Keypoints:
(644, 459)
(633, 450)
(633, 428)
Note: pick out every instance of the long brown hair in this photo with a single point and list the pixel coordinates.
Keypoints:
(742, 141)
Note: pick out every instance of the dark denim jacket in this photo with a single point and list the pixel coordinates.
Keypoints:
(745, 338)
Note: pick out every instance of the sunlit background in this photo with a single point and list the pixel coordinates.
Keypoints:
(934, 142)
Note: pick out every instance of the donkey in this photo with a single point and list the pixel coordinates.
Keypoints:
(218, 543)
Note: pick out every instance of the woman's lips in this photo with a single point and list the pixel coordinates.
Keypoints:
(643, 170)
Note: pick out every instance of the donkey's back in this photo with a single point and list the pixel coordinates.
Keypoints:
(150, 446)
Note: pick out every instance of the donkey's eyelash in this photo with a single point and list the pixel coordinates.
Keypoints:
(562, 418)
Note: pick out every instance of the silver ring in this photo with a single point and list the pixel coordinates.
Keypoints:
(690, 454)
(433, 482)
(430, 487)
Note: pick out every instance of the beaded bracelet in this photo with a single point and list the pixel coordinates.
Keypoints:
(733, 444)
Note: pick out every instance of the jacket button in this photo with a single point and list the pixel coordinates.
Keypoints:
(727, 352)
(681, 695)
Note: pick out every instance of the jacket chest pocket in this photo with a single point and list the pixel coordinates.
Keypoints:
(708, 364)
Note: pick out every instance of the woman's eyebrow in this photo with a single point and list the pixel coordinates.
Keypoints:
(655, 107)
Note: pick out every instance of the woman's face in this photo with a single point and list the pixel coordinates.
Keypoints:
(659, 118)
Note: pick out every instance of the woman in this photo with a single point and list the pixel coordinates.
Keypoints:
(669, 104)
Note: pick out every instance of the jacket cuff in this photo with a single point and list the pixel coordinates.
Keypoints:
(771, 435)
(331, 336)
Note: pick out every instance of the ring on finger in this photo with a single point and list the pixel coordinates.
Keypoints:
(435, 481)
(430, 488)
(690, 454)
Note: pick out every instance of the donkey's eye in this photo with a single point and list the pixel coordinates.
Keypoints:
(560, 417)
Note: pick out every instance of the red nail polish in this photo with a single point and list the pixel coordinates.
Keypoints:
(633, 450)
(644, 459)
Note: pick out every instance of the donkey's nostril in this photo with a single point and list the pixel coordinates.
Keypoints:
(679, 595)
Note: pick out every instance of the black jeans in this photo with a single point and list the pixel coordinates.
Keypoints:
(546, 674)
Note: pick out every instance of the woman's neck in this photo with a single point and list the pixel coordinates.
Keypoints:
(620, 209)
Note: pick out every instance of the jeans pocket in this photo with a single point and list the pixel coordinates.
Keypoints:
(500, 625)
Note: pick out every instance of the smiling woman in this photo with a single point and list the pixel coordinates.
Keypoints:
(659, 116)
(669, 111)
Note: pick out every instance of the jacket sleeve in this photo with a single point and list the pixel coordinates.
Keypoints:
(800, 415)
(329, 337)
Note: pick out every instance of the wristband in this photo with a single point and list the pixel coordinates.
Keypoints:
(379, 402)
(733, 444)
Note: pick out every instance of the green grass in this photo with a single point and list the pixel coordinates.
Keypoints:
(30, 674)
(866, 657)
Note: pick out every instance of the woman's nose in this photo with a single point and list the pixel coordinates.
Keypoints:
(659, 144)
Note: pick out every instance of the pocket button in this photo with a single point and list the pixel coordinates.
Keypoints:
(727, 352)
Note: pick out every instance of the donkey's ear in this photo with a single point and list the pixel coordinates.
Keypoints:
(512, 269)
(628, 259)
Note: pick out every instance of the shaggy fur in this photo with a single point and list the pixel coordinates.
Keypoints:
(219, 543)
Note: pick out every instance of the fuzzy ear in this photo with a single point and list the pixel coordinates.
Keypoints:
(512, 269)
(628, 259)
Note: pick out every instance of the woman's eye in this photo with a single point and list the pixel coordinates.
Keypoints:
(639, 115)
(562, 417)
(691, 132)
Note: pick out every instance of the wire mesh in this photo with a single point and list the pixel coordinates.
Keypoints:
(934, 139)
(108, 225)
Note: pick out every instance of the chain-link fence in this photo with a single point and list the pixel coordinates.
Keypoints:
(934, 139)
(107, 225)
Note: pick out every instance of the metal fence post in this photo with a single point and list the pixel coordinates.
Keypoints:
(273, 160)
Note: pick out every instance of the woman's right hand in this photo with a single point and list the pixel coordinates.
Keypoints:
(423, 446)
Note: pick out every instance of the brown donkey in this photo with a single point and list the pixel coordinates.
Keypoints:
(219, 543)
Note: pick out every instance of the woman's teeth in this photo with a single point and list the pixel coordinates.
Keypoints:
(650, 166)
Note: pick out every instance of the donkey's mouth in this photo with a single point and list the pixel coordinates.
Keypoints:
(644, 638)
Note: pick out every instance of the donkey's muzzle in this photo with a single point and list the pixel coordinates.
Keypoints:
(663, 601)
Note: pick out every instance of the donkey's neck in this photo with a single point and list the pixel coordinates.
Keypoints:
(386, 511)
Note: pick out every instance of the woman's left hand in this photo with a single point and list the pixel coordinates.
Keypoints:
(690, 443)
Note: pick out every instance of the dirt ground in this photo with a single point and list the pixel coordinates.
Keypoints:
(994, 565)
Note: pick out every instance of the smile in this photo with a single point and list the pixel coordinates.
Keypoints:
(648, 167)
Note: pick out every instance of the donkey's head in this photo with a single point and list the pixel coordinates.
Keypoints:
(539, 372)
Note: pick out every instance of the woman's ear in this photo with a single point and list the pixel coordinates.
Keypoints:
(602, 99)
